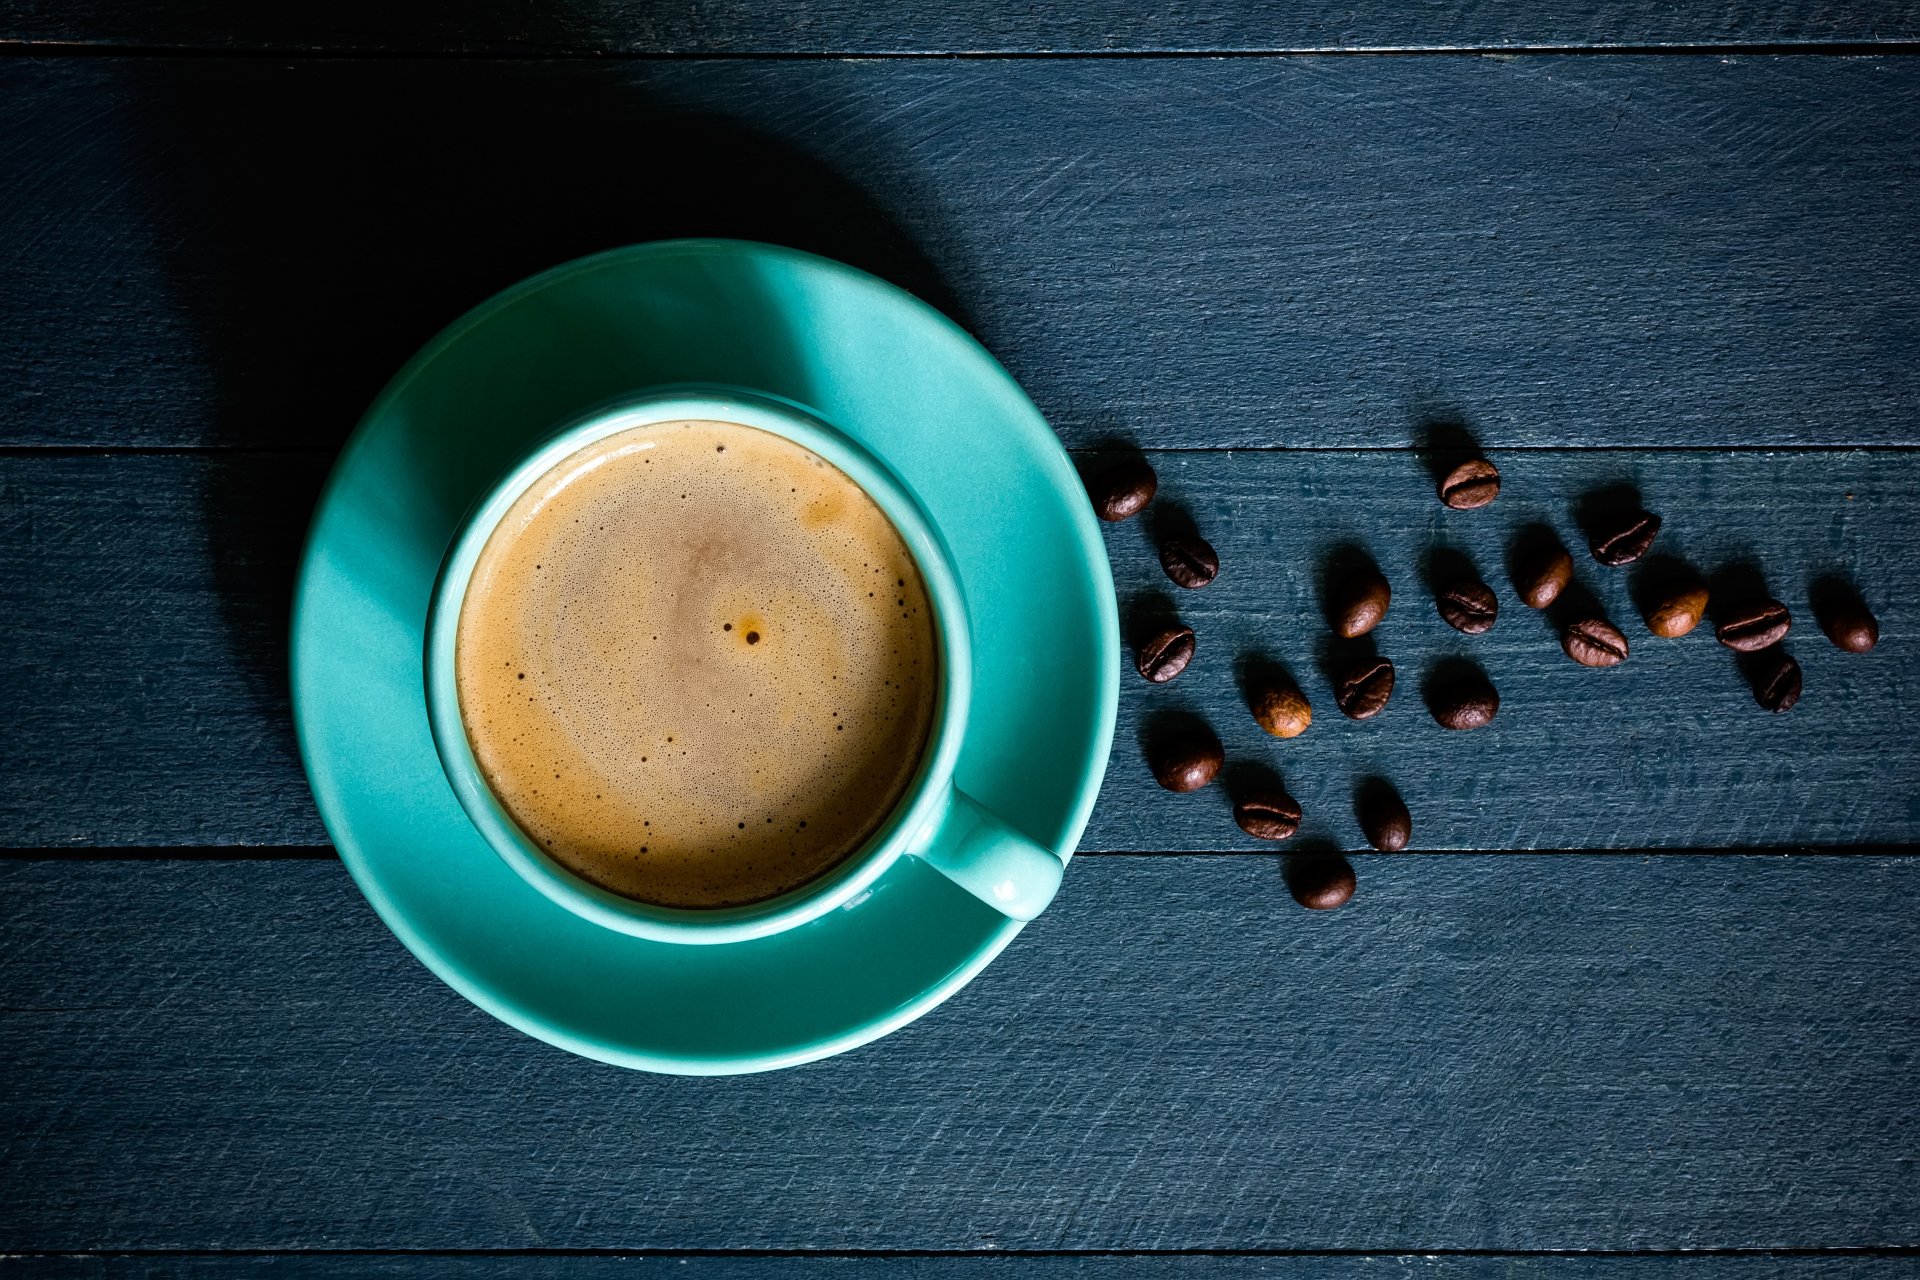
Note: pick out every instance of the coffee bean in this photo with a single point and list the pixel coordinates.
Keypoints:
(1776, 681)
(1189, 560)
(1122, 490)
(1186, 759)
(1468, 606)
(1473, 483)
(1165, 654)
(1279, 706)
(1466, 701)
(1321, 884)
(1754, 627)
(1541, 574)
(1593, 643)
(1267, 814)
(1851, 627)
(1361, 688)
(1358, 601)
(1623, 537)
(1678, 610)
(1384, 819)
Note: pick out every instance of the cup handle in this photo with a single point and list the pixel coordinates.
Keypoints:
(990, 860)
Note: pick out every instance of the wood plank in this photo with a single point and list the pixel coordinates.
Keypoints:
(979, 1267)
(1518, 1053)
(1307, 252)
(145, 655)
(862, 26)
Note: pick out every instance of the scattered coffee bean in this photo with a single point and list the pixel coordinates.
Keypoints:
(1623, 537)
(1468, 606)
(1473, 483)
(1776, 681)
(1754, 627)
(1279, 706)
(1593, 643)
(1189, 560)
(1122, 490)
(1362, 687)
(1186, 759)
(1267, 814)
(1541, 574)
(1384, 819)
(1165, 654)
(1851, 627)
(1358, 601)
(1678, 610)
(1466, 701)
(1321, 884)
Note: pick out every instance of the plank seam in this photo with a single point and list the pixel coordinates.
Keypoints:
(1736, 1251)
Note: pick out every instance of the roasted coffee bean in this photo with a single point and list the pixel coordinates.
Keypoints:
(1542, 573)
(1473, 483)
(1468, 606)
(1678, 610)
(1358, 602)
(1754, 627)
(1267, 814)
(1165, 654)
(1384, 820)
(1279, 706)
(1593, 643)
(1122, 490)
(1466, 701)
(1851, 627)
(1362, 687)
(1189, 560)
(1776, 681)
(1321, 884)
(1623, 537)
(1186, 759)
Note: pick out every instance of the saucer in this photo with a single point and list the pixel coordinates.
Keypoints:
(886, 369)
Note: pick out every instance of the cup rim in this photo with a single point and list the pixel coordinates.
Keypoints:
(904, 828)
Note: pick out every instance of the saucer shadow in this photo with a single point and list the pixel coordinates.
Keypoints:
(333, 217)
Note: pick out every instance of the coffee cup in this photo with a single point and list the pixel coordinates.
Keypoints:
(932, 821)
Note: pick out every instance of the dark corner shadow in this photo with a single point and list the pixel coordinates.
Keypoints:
(331, 217)
(1442, 438)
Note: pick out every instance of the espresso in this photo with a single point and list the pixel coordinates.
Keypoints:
(697, 664)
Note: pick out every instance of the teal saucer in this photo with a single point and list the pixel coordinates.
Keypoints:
(887, 370)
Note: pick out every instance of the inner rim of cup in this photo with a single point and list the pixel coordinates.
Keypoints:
(918, 807)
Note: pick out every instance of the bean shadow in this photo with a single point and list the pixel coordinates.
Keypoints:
(333, 218)
(1443, 440)
(1243, 778)
(1530, 543)
(1735, 585)
(1146, 614)
(1371, 791)
(1654, 580)
(1343, 563)
(1306, 858)
(1834, 594)
(1258, 669)
(1598, 508)
(1446, 674)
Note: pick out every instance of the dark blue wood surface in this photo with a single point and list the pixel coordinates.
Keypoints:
(1694, 272)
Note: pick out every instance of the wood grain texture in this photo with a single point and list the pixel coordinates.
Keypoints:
(1525, 1053)
(982, 1267)
(1308, 252)
(144, 660)
(864, 26)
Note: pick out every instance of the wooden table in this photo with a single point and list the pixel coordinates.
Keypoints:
(1598, 1025)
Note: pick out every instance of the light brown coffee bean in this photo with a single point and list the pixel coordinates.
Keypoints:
(1189, 560)
(1594, 643)
(1678, 610)
(1268, 814)
(1279, 706)
(1165, 654)
(1474, 483)
(1358, 602)
(1186, 759)
(1321, 883)
(1122, 490)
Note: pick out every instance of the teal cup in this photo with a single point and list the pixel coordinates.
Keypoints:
(934, 821)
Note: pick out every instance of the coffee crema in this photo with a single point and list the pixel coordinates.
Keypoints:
(697, 664)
